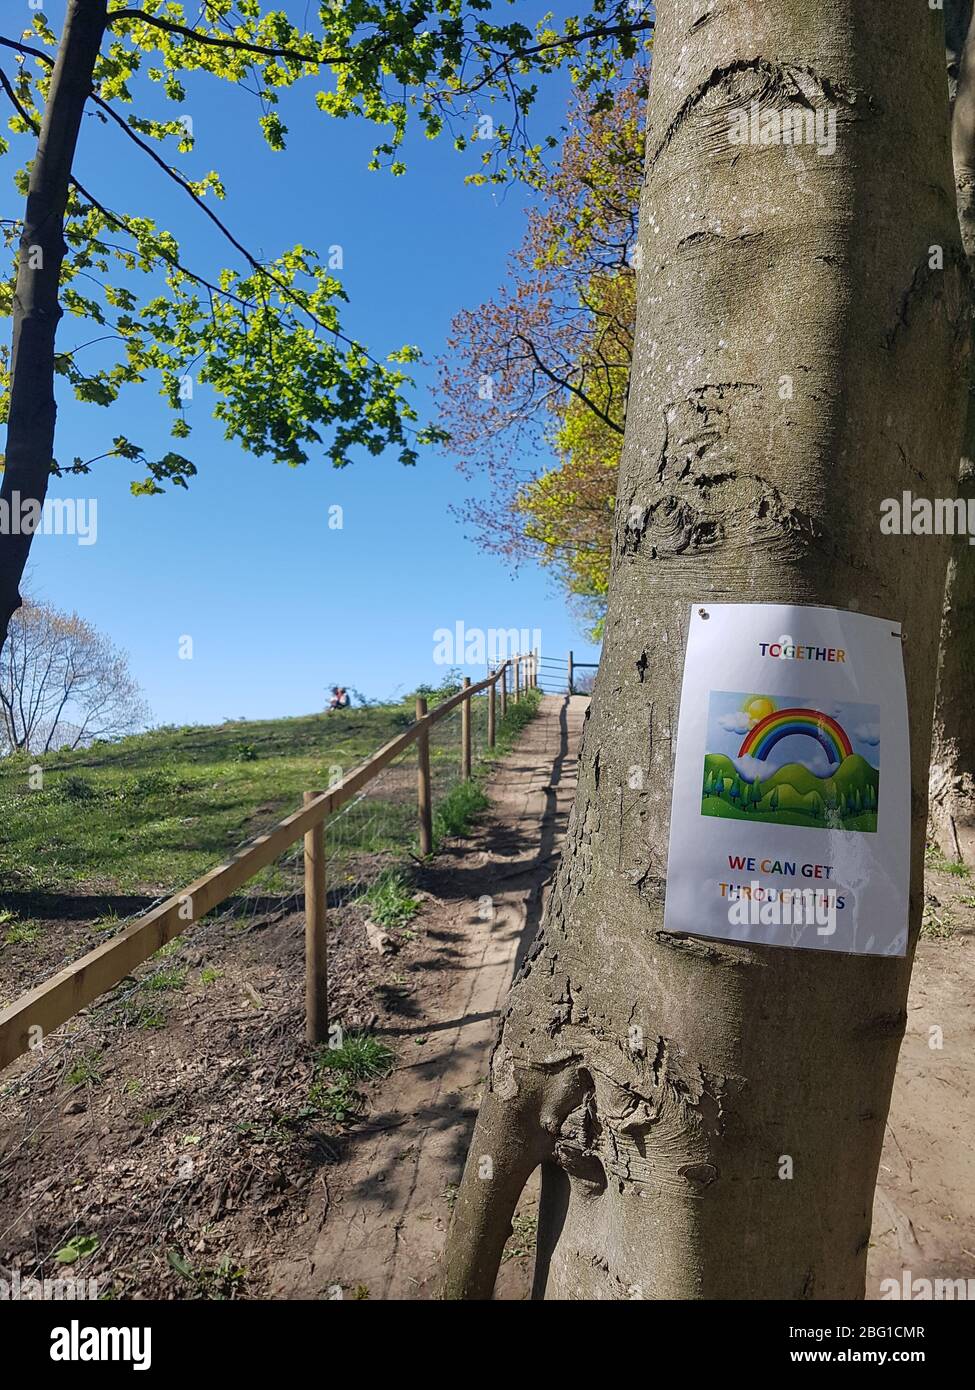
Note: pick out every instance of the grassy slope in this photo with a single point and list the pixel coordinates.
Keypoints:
(714, 806)
(796, 787)
(157, 809)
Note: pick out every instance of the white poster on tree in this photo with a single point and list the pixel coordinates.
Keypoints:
(791, 813)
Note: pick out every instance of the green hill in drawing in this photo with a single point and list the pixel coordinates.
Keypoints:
(846, 800)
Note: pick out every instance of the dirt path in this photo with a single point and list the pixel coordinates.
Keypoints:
(378, 1228)
(924, 1211)
(377, 1222)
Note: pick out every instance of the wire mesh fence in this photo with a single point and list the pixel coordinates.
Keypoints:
(377, 824)
(133, 1138)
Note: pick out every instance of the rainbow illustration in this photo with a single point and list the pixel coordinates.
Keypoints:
(760, 740)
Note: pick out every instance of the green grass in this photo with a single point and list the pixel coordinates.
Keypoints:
(218, 1282)
(935, 927)
(164, 980)
(524, 1234)
(459, 809)
(21, 934)
(936, 860)
(457, 812)
(86, 1071)
(138, 1013)
(171, 948)
(156, 810)
(510, 727)
(390, 899)
(717, 806)
(359, 1056)
(336, 1100)
(333, 1093)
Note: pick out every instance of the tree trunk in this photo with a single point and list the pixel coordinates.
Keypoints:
(30, 424)
(952, 780)
(659, 1079)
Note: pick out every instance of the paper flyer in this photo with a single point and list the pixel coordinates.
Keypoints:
(790, 822)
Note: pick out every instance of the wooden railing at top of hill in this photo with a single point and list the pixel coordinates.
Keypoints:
(25, 1023)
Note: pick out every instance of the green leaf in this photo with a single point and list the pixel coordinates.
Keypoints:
(181, 1265)
(76, 1248)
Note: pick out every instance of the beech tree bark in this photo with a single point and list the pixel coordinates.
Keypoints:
(797, 360)
(36, 311)
(952, 779)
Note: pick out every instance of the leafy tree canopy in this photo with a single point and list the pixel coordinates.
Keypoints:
(544, 367)
(266, 334)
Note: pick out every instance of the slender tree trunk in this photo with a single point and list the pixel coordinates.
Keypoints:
(952, 781)
(764, 268)
(30, 425)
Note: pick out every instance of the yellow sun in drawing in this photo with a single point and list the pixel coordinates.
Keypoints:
(758, 707)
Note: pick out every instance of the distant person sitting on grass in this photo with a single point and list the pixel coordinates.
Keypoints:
(340, 698)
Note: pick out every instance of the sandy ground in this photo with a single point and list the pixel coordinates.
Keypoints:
(924, 1212)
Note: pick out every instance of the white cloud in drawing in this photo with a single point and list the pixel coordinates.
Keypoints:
(868, 733)
(759, 768)
(738, 722)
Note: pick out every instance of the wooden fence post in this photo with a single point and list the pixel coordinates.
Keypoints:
(535, 665)
(504, 690)
(570, 674)
(62, 995)
(492, 697)
(316, 948)
(517, 678)
(465, 736)
(423, 799)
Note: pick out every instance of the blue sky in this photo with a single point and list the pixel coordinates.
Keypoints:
(278, 604)
(730, 718)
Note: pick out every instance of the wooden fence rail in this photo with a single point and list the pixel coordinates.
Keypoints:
(26, 1022)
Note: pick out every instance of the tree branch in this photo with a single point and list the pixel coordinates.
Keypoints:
(120, 222)
(169, 26)
(379, 41)
(224, 230)
(568, 386)
(182, 183)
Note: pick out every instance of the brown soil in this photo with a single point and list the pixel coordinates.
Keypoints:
(186, 1134)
